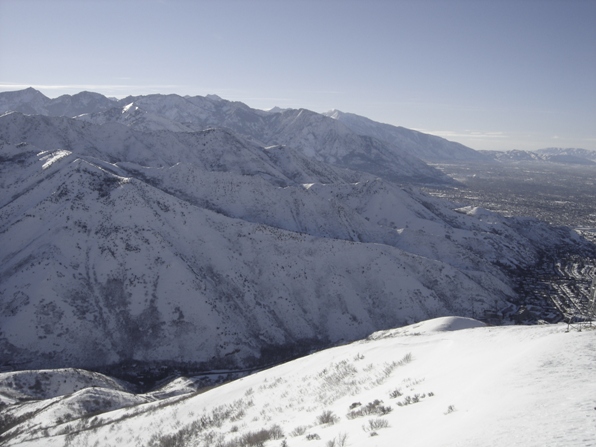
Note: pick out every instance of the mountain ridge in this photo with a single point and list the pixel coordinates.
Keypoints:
(274, 127)
(218, 252)
(206, 248)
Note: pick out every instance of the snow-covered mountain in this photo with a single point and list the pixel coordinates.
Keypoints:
(514, 155)
(164, 235)
(33, 102)
(447, 382)
(207, 250)
(316, 135)
(559, 153)
(554, 155)
(427, 147)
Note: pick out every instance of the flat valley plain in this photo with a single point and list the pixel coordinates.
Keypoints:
(561, 194)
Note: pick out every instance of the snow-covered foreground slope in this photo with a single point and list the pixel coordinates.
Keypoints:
(447, 382)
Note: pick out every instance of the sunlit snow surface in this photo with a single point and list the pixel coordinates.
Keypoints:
(49, 158)
(443, 382)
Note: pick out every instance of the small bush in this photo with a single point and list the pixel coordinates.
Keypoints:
(299, 431)
(406, 359)
(258, 438)
(378, 423)
(313, 437)
(341, 440)
(375, 424)
(374, 407)
(450, 409)
(395, 394)
(327, 417)
(411, 399)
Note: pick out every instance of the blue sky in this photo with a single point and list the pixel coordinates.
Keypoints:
(491, 74)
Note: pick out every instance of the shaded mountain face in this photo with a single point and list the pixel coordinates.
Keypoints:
(209, 250)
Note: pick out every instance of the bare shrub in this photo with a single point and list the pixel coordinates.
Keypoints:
(257, 438)
(202, 427)
(327, 417)
(405, 360)
(375, 424)
(374, 407)
(313, 437)
(299, 431)
(395, 393)
(340, 441)
(378, 423)
(450, 409)
(407, 401)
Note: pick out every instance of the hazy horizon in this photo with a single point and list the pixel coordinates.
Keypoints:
(490, 75)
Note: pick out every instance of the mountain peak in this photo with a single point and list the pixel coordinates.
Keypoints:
(334, 113)
(214, 97)
(26, 95)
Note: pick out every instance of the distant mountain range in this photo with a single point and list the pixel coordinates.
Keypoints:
(336, 138)
(571, 156)
(163, 232)
(393, 145)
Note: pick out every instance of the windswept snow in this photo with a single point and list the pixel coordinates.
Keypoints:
(445, 382)
(441, 324)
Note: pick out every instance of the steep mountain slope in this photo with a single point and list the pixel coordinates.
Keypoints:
(28, 101)
(330, 141)
(315, 135)
(205, 250)
(517, 386)
(133, 116)
(429, 148)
